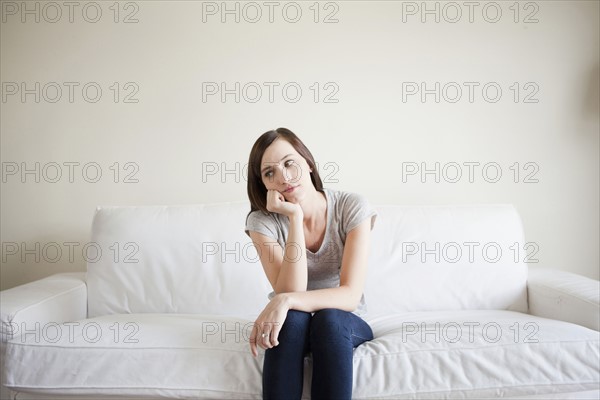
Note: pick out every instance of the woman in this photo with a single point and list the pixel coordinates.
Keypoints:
(313, 244)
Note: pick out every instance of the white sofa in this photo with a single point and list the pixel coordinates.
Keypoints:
(167, 303)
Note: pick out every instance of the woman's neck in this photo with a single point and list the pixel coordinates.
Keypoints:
(314, 208)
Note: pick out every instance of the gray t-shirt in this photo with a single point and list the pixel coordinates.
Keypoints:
(344, 212)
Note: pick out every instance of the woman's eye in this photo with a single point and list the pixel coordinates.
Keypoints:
(268, 174)
(289, 162)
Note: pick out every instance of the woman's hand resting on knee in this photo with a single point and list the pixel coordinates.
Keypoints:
(265, 331)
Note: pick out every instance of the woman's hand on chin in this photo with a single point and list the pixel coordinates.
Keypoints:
(277, 203)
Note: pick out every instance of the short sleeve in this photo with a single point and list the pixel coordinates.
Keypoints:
(356, 209)
(261, 223)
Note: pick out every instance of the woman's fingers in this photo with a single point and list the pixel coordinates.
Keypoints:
(272, 200)
(275, 201)
(262, 337)
(275, 334)
(266, 335)
(267, 339)
(253, 341)
(280, 196)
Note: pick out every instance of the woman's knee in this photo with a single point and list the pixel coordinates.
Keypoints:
(329, 324)
(295, 327)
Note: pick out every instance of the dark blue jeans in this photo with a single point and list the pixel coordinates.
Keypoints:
(331, 335)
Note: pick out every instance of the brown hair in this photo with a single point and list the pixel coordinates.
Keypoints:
(257, 192)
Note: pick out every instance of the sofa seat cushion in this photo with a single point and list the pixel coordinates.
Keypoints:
(454, 354)
(476, 354)
(153, 355)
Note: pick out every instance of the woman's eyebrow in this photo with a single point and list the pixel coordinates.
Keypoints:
(271, 164)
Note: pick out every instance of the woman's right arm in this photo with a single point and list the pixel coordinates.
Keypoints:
(286, 269)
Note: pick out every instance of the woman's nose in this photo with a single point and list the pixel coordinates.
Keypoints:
(284, 176)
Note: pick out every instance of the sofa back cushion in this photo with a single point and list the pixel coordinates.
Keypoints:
(447, 258)
(197, 259)
(174, 259)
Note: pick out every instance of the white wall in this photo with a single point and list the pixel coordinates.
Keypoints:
(363, 141)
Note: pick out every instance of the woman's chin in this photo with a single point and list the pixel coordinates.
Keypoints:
(293, 196)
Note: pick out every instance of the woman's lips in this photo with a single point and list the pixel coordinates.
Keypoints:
(291, 189)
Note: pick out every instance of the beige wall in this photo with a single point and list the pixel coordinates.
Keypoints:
(364, 129)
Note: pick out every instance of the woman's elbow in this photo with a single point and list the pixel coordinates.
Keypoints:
(354, 297)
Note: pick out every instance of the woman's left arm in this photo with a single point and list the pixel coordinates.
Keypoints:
(353, 275)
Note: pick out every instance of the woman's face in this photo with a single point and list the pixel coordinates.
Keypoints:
(284, 170)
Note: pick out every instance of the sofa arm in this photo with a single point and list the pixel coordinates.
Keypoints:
(57, 298)
(564, 296)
